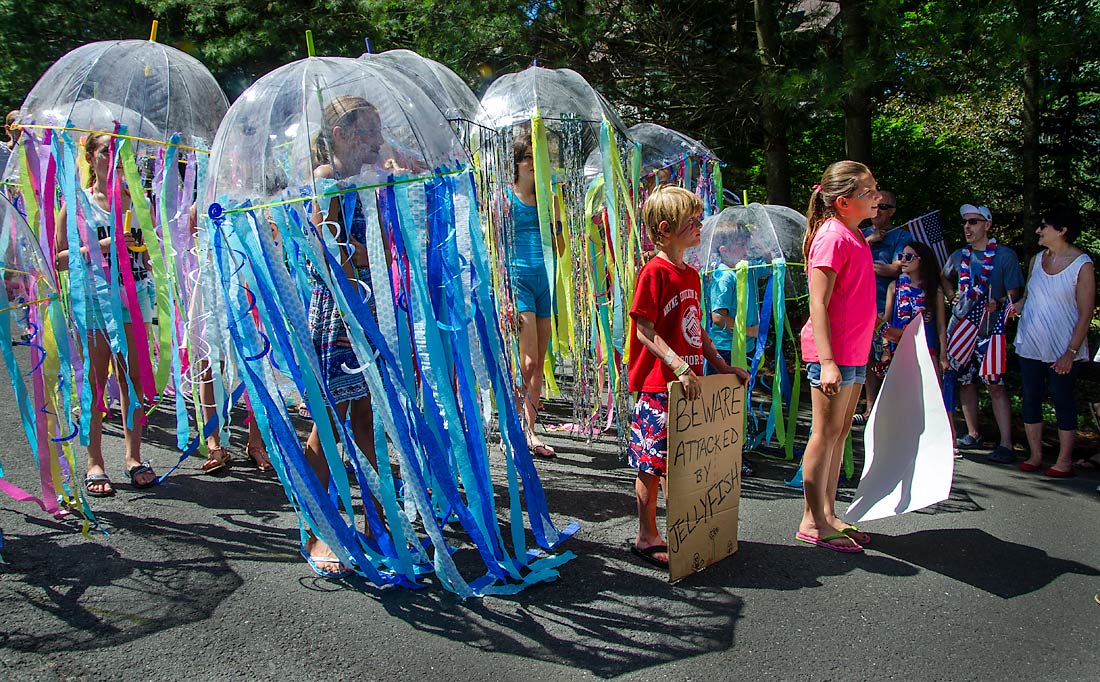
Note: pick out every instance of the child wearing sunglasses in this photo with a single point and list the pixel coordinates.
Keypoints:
(917, 292)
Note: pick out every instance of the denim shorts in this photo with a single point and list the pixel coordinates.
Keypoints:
(849, 374)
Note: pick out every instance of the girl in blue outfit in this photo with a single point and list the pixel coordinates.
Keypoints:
(530, 286)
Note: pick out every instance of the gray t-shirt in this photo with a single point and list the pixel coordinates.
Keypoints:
(1006, 275)
(1006, 270)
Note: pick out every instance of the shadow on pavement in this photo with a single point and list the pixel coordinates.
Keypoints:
(972, 556)
(87, 595)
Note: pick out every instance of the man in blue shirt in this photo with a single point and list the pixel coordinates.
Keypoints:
(886, 243)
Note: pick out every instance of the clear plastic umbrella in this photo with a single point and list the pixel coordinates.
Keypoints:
(592, 280)
(443, 86)
(342, 203)
(168, 90)
(760, 233)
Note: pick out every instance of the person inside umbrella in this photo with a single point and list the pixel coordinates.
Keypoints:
(530, 284)
(97, 208)
(348, 145)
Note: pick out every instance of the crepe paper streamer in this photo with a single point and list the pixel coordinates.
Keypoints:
(309, 44)
(429, 276)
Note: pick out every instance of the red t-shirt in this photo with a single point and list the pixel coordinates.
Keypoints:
(668, 296)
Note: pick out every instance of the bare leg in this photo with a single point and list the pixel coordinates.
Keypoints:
(1066, 441)
(874, 384)
(832, 417)
(1002, 412)
(99, 354)
(645, 490)
(132, 435)
(1035, 443)
(968, 401)
(534, 338)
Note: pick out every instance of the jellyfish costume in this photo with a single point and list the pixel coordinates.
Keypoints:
(592, 280)
(754, 245)
(159, 107)
(340, 173)
(670, 156)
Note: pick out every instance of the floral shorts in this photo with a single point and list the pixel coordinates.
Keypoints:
(649, 434)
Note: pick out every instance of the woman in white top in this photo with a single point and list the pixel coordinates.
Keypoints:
(1061, 292)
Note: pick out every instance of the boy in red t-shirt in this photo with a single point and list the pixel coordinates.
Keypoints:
(669, 343)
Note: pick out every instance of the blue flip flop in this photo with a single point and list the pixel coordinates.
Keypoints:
(330, 575)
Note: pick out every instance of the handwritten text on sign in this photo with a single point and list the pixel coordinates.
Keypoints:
(704, 473)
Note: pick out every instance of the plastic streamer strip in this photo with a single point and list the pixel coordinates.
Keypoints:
(402, 422)
(740, 325)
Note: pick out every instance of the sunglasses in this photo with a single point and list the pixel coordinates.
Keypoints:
(885, 207)
(865, 193)
(972, 221)
(908, 257)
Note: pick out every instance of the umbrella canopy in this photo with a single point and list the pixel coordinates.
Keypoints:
(756, 233)
(443, 86)
(560, 96)
(269, 140)
(663, 147)
(152, 88)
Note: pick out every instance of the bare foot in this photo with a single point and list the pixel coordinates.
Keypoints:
(322, 558)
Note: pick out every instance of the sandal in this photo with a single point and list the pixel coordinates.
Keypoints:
(219, 459)
(544, 451)
(143, 468)
(1088, 464)
(258, 455)
(303, 411)
(859, 419)
(92, 479)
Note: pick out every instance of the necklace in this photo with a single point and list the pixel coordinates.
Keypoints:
(976, 289)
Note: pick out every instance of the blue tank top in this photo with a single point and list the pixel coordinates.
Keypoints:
(527, 246)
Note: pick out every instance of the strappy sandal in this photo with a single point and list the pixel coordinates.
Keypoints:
(258, 455)
(219, 459)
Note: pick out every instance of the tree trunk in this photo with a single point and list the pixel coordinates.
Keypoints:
(858, 108)
(1029, 151)
(773, 119)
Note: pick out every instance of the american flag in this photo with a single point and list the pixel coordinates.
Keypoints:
(995, 362)
(964, 337)
(928, 229)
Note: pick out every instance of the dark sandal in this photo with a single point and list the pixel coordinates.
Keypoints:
(219, 459)
(544, 451)
(647, 553)
(92, 479)
(135, 471)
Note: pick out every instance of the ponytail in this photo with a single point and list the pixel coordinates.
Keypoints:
(839, 179)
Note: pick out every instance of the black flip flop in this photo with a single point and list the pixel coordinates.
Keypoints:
(134, 471)
(646, 554)
(92, 479)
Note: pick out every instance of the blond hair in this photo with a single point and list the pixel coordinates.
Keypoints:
(674, 205)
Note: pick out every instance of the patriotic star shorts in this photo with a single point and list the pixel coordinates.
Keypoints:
(971, 372)
(648, 450)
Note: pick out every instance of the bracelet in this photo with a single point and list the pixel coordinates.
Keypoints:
(682, 369)
(1072, 351)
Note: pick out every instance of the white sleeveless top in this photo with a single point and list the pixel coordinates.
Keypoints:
(1050, 313)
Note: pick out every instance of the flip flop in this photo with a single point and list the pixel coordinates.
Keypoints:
(646, 554)
(544, 451)
(825, 542)
(134, 471)
(858, 419)
(92, 479)
(1087, 464)
(314, 562)
(850, 530)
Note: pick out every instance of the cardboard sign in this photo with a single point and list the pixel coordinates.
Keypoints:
(704, 473)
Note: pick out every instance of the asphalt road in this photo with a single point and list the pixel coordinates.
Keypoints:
(200, 579)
